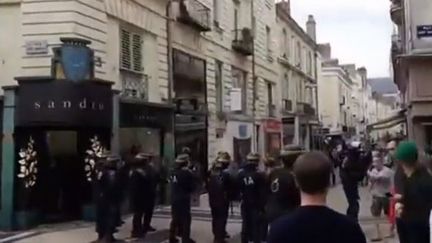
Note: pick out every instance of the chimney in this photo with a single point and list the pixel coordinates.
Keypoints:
(363, 73)
(325, 50)
(285, 5)
(311, 27)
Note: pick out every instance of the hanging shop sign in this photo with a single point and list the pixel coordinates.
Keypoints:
(61, 103)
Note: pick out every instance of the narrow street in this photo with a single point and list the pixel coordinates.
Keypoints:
(77, 232)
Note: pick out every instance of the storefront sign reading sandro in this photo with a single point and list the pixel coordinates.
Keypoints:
(64, 103)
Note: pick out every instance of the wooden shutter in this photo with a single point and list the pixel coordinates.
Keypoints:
(137, 52)
(125, 51)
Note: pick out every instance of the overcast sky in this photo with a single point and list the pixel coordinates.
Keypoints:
(359, 30)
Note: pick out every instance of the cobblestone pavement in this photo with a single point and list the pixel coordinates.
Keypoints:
(77, 232)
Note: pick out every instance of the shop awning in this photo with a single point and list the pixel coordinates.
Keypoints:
(389, 122)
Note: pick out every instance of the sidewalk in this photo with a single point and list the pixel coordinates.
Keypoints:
(78, 232)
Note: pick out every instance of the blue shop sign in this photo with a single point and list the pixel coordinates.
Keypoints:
(243, 131)
(424, 31)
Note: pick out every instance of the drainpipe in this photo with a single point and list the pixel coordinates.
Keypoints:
(170, 52)
(254, 82)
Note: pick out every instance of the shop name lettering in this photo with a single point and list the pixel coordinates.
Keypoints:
(142, 117)
(84, 104)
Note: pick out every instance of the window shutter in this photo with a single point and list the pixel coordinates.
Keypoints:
(137, 52)
(125, 55)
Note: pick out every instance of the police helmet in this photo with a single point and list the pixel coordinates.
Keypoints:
(186, 150)
(270, 161)
(109, 160)
(223, 158)
(253, 158)
(182, 159)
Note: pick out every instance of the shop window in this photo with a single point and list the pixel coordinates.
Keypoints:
(147, 140)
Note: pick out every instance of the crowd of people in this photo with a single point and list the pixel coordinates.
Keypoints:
(285, 202)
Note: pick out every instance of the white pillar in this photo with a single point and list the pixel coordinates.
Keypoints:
(297, 130)
(307, 140)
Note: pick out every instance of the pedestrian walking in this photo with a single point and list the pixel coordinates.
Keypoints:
(416, 200)
(252, 185)
(380, 178)
(314, 222)
(183, 184)
(218, 187)
(284, 195)
(107, 198)
(143, 182)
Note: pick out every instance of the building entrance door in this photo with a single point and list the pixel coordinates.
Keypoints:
(62, 178)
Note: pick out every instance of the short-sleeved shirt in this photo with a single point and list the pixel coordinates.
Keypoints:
(381, 181)
(315, 224)
(417, 197)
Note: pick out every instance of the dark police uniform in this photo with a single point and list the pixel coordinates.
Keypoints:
(183, 184)
(143, 182)
(284, 196)
(219, 190)
(252, 186)
(352, 172)
(107, 198)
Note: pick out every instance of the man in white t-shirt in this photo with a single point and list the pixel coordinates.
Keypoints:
(380, 178)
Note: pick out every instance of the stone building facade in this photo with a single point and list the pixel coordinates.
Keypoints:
(206, 74)
(298, 61)
(411, 59)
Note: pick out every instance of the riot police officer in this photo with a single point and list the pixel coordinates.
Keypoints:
(107, 197)
(270, 164)
(219, 196)
(252, 185)
(284, 195)
(351, 173)
(143, 182)
(183, 184)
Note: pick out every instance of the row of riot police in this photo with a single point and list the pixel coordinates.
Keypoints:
(112, 178)
(264, 195)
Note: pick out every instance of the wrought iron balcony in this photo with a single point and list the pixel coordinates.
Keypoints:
(287, 105)
(190, 105)
(396, 12)
(243, 41)
(300, 108)
(195, 14)
(271, 110)
(134, 85)
(309, 110)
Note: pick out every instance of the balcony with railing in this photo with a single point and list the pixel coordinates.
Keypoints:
(134, 86)
(287, 107)
(309, 110)
(271, 110)
(243, 41)
(195, 14)
(300, 108)
(396, 12)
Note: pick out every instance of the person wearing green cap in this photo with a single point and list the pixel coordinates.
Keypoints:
(416, 198)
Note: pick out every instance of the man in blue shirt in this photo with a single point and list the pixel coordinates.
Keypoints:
(314, 222)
